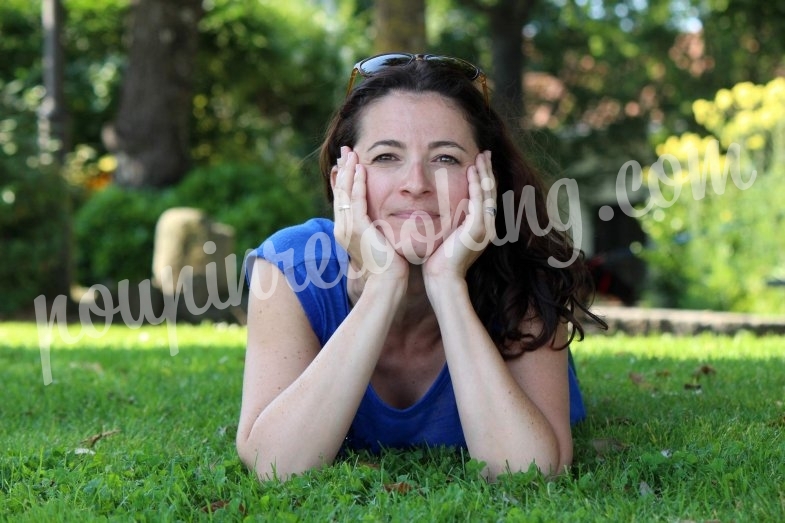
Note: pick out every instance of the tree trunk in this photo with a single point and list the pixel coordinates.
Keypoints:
(53, 139)
(400, 26)
(150, 135)
(506, 20)
(52, 114)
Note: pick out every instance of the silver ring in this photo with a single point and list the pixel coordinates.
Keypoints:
(344, 207)
(491, 210)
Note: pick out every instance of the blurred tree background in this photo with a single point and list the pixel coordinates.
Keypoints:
(221, 105)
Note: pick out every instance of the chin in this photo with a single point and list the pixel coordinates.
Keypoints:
(415, 250)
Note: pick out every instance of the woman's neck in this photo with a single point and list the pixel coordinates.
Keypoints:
(415, 311)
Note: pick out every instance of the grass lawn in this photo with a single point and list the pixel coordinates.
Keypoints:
(679, 429)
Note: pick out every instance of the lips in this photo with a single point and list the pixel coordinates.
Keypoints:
(408, 214)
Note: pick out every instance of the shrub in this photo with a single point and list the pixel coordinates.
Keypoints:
(254, 199)
(34, 235)
(115, 229)
(722, 250)
(114, 233)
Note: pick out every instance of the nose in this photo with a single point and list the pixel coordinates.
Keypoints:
(417, 180)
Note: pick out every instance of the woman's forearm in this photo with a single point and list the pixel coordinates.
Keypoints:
(306, 424)
(502, 426)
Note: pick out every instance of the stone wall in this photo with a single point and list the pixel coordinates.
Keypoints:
(635, 321)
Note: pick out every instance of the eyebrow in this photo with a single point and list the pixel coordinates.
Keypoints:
(432, 145)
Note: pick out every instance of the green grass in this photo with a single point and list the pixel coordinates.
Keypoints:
(655, 447)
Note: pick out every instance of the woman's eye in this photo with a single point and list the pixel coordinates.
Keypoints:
(446, 158)
(384, 158)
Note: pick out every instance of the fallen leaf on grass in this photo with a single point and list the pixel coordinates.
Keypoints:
(619, 420)
(777, 422)
(645, 489)
(637, 378)
(221, 503)
(117, 397)
(640, 381)
(215, 505)
(664, 373)
(92, 440)
(605, 446)
(704, 370)
(400, 487)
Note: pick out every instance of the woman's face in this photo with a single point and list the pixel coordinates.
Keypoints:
(416, 149)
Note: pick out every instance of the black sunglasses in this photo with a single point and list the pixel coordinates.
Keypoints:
(371, 66)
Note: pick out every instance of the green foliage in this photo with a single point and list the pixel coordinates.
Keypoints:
(93, 58)
(268, 77)
(269, 73)
(604, 82)
(716, 238)
(128, 432)
(114, 233)
(115, 230)
(20, 33)
(34, 239)
(746, 36)
(256, 200)
(34, 199)
(94, 61)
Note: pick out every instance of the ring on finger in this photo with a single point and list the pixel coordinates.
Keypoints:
(491, 210)
(344, 207)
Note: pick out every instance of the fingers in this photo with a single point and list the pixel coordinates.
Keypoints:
(482, 197)
(359, 190)
(367, 246)
(488, 189)
(343, 182)
(487, 179)
(342, 199)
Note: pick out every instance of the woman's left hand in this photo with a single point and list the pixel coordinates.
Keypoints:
(467, 242)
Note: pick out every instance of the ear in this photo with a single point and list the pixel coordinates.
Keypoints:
(333, 177)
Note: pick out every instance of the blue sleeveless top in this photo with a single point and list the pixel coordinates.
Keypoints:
(315, 267)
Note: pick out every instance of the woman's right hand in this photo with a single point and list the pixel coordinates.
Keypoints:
(370, 251)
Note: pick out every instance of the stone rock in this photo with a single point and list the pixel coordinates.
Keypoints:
(189, 265)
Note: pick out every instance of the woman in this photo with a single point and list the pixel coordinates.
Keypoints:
(403, 322)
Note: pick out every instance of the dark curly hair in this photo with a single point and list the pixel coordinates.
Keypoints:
(512, 281)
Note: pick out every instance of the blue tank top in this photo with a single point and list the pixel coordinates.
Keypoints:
(316, 268)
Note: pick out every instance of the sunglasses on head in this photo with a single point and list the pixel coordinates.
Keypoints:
(375, 64)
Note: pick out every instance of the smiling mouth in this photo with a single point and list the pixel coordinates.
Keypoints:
(414, 214)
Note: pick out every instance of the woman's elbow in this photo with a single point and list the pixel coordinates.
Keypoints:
(247, 455)
(253, 462)
(251, 457)
(549, 463)
(559, 461)
(267, 468)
